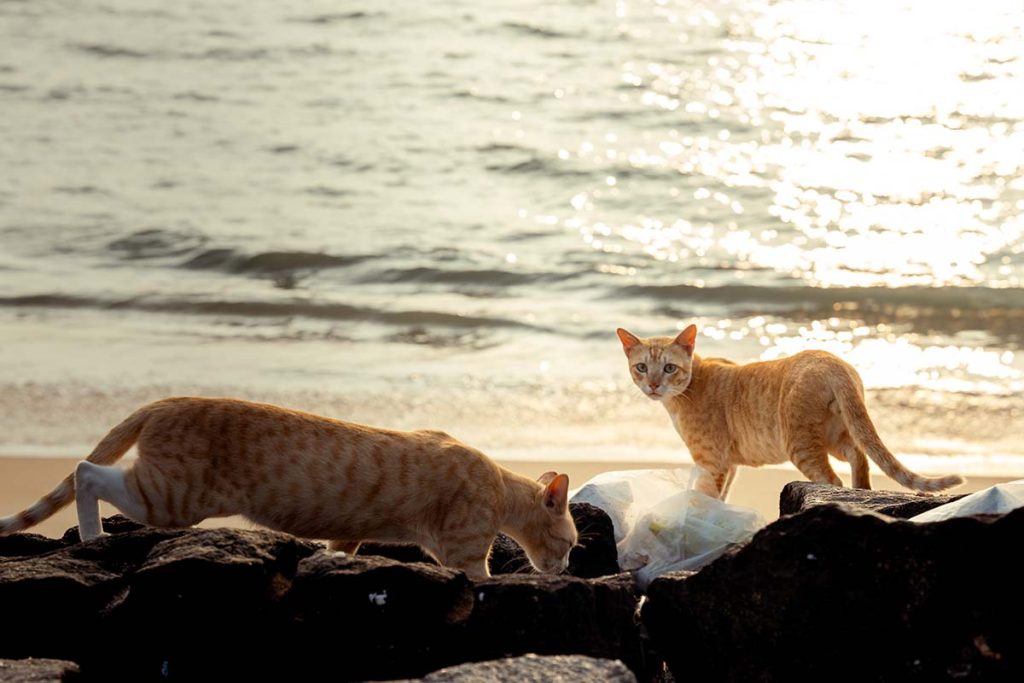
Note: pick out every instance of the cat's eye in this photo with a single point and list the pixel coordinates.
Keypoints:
(670, 368)
(641, 368)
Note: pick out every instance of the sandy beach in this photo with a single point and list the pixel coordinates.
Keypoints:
(24, 480)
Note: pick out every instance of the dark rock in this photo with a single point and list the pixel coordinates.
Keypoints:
(596, 555)
(171, 596)
(117, 524)
(545, 614)
(403, 552)
(25, 545)
(535, 669)
(801, 495)
(402, 619)
(192, 588)
(37, 671)
(51, 603)
(836, 593)
(507, 557)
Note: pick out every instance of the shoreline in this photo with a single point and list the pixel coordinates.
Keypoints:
(23, 480)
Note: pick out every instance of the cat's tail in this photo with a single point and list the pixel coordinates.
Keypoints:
(862, 429)
(115, 444)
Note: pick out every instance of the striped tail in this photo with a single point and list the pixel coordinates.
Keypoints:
(859, 424)
(108, 451)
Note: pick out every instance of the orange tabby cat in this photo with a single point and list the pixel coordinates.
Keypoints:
(800, 408)
(315, 477)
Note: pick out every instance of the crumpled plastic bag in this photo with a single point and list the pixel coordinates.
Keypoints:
(662, 524)
(993, 500)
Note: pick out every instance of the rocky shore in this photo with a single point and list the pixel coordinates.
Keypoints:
(834, 590)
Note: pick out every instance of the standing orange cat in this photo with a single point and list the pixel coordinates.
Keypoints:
(315, 477)
(802, 408)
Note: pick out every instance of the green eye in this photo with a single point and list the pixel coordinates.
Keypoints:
(641, 368)
(669, 368)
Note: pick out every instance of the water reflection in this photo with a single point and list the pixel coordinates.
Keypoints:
(838, 144)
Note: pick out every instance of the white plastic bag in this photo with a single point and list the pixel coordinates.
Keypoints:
(993, 500)
(662, 524)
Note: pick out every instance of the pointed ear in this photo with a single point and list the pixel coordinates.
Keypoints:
(546, 478)
(556, 494)
(687, 338)
(628, 340)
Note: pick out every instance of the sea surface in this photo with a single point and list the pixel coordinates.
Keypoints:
(435, 214)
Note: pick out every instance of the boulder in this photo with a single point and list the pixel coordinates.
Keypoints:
(534, 669)
(188, 592)
(545, 614)
(52, 602)
(27, 545)
(37, 671)
(801, 495)
(374, 617)
(403, 552)
(596, 554)
(838, 593)
(174, 600)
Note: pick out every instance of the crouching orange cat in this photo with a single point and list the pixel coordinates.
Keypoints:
(315, 477)
(800, 408)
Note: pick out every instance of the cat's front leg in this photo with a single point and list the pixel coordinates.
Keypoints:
(713, 482)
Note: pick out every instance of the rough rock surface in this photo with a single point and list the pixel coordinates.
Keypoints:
(547, 614)
(801, 495)
(376, 617)
(838, 593)
(534, 669)
(37, 671)
(174, 599)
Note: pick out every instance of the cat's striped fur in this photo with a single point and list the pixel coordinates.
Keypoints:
(314, 477)
(801, 408)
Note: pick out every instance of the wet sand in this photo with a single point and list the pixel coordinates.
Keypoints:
(25, 480)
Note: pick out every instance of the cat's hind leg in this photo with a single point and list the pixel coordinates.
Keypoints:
(811, 458)
(859, 471)
(94, 483)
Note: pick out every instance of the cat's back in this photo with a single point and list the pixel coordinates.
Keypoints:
(203, 410)
(813, 371)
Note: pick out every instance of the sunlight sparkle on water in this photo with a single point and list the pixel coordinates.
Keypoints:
(884, 140)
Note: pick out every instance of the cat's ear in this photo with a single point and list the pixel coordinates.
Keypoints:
(628, 340)
(556, 494)
(546, 478)
(687, 338)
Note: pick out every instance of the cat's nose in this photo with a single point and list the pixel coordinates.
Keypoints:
(653, 386)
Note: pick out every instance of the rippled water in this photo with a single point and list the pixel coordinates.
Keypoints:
(436, 214)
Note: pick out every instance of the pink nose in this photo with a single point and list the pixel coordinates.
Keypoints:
(654, 387)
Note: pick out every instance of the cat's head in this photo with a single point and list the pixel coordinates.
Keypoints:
(660, 366)
(553, 533)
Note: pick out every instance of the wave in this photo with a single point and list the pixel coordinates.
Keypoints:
(538, 165)
(268, 309)
(974, 298)
(155, 243)
(537, 31)
(485, 276)
(102, 50)
(335, 17)
(231, 261)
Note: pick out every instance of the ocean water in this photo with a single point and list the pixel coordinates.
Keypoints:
(435, 214)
